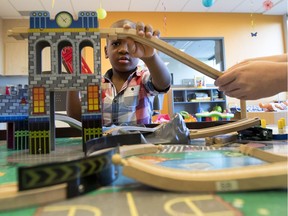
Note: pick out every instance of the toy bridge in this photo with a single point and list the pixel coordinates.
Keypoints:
(112, 33)
(67, 55)
(21, 33)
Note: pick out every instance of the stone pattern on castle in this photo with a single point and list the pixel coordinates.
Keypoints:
(14, 104)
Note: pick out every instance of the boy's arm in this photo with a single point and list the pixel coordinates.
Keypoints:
(161, 78)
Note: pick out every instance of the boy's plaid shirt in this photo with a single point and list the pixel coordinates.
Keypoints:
(133, 104)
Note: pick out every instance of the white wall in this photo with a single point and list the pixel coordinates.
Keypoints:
(1, 48)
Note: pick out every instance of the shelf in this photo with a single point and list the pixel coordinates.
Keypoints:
(215, 101)
(179, 98)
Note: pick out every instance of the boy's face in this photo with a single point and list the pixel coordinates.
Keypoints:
(118, 54)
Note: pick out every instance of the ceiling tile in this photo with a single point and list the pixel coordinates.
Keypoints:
(10, 8)
(7, 10)
(194, 6)
(112, 5)
(91, 5)
(59, 5)
(140, 5)
(27, 5)
(248, 6)
(171, 5)
(225, 5)
(280, 7)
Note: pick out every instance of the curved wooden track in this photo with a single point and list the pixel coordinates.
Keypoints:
(21, 33)
(163, 47)
(257, 177)
(225, 128)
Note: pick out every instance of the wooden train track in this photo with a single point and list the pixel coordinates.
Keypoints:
(22, 33)
(11, 198)
(163, 47)
(225, 128)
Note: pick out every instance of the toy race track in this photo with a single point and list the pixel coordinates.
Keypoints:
(71, 121)
(130, 197)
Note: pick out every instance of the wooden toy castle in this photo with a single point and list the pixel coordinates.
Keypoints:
(60, 34)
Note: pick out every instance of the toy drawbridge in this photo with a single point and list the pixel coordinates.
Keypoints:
(67, 56)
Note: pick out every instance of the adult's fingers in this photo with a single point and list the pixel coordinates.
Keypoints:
(236, 93)
(225, 79)
(229, 87)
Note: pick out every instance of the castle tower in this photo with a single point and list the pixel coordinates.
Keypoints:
(52, 37)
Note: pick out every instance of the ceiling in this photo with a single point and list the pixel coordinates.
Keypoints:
(18, 9)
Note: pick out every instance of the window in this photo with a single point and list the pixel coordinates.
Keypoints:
(87, 57)
(65, 57)
(93, 98)
(43, 50)
(208, 50)
(38, 100)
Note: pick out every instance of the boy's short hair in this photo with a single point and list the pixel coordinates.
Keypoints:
(122, 22)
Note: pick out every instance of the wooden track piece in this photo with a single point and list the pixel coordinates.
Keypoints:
(139, 149)
(221, 139)
(263, 155)
(165, 48)
(114, 33)
(225, 138)
(243, 109)
(226, 128)
(10, 198)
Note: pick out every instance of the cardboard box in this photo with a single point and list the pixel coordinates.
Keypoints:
(270, 117)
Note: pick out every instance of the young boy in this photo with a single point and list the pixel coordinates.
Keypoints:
(128, 89)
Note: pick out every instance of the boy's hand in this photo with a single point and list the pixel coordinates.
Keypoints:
(137, 49)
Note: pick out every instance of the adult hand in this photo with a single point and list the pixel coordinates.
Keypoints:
(252, 80)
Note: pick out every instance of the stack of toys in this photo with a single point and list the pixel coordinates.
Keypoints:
(214, 116)
(188, 117)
